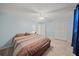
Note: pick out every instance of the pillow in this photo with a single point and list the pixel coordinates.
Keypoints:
(22, 34)
(27, 33)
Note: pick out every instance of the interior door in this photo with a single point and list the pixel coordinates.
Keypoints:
(41, 29)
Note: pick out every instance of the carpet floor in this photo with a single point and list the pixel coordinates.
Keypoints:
(59, 48)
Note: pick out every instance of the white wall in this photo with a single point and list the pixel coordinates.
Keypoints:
(61, 27)
(11, 23)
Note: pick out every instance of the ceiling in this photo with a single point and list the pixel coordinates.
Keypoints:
(39, 7)
(48, 10)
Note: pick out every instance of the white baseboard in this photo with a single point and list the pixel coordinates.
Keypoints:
(68, 40)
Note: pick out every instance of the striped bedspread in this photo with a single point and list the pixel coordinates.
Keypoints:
(28, 45)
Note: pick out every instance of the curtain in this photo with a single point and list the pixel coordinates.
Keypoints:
(75, 37)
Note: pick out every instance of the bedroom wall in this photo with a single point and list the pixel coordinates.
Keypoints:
(11, 23)
(62, 27)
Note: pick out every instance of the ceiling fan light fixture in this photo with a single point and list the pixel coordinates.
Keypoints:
(42, 18)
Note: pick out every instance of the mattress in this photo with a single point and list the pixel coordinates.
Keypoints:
(30, 45)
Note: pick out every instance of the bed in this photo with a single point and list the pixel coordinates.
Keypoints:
(26, 44)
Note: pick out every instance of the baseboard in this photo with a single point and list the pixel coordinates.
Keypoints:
(60, 39)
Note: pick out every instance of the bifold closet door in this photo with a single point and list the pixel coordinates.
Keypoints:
(41, 29)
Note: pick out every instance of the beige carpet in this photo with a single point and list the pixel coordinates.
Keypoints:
(59, 48)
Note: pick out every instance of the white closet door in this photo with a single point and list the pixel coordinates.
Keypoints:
(60, 31)
(41, 29)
